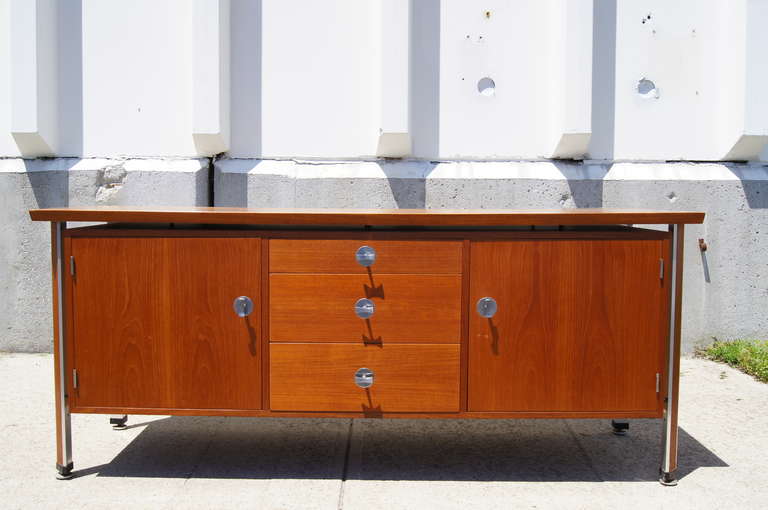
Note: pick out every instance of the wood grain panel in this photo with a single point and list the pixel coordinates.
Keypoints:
(154, 324)
(119, 323)
(409, 308)
(338, 256)
(214, 353)
(320, 377)
(579, 326)
(365, 217)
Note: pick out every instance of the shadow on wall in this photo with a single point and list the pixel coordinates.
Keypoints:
(601, 145)
(754, 181)
(408, 182)
(50, 186)
(245, 64)
(471, 450)
(585, 183)
(70, 72)
(425, 78)
(231, 187)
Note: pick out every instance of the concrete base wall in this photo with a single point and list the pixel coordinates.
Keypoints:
(725, 288)
(25, 263)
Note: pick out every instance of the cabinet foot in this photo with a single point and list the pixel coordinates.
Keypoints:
(64, 472)
(118, 422)
(667, 479)
(620, 428)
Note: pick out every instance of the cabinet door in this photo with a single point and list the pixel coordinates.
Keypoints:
(579, 325)
(154, 324)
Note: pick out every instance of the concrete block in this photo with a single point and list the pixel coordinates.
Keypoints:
(257, 183)
(25, 281)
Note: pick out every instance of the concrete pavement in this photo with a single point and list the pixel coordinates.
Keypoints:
(192, 462)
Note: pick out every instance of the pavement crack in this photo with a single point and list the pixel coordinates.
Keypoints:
(345, 469)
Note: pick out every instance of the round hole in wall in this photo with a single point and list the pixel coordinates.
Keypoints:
(486, 86)
(647, 89)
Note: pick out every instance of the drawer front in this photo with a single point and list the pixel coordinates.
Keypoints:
(339, 256)
(405, 378)
(407, 308)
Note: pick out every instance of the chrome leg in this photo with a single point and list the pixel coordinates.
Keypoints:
(64, 432)
(118, 421)
(670, 434)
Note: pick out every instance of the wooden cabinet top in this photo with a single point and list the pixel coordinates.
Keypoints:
(364, 217)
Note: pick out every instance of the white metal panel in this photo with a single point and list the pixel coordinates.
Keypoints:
(33, 76)
(751, 112)
(571, 99)
(320, 79)
(503, 78)
(7, 144)
(360, 79)
(210, 76)
(137, 78)
(394, 131)
(676, 78)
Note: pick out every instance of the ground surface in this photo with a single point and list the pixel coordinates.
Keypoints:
(181, 462)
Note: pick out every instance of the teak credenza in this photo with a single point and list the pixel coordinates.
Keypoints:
(367, 313)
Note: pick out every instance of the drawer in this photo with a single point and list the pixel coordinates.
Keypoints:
(406, 308)
(406, 378)
(339, 256)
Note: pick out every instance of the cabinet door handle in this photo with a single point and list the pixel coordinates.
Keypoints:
(365, 256)
(243, 306)
(364, 308)
(364, 377)
(487, 307)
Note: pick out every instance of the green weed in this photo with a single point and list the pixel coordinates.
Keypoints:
(750, 356)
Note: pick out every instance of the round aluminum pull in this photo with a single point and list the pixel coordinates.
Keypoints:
(243, 306)
(364, 308)
(365, 256)
(364, 377)
(487, 307)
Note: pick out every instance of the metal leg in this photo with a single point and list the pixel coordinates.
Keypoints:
(63, 422)
(620, 428)
(118, 421)
(670, 435)
(64, 472)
